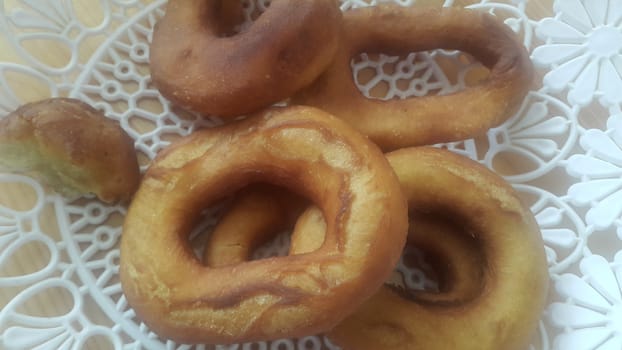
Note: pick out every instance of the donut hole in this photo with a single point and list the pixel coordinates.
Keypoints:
(278, 245)
(279, 242)
(414, 271)
(197, 240)
(416, 74)
(261, 239)
(442, 262)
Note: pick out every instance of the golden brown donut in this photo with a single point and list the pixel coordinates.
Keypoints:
(300, 148)
(72, 147)
(284, 50)
(397, 30)
(504, 313)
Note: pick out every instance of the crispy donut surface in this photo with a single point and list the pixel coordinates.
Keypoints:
(284, 50)
(300, 148)
(72, 147)
(431, 119)
(485, 247)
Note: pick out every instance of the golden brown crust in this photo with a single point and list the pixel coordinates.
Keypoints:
(286, 48)
(392, 29)
(71, 146)
(300, 148)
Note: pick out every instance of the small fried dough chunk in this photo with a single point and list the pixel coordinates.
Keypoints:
(72, 147)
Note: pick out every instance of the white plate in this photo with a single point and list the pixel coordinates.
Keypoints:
(563, 151)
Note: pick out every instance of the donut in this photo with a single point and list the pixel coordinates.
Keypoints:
(285, 49)
(72, 147)
(396, 30)
(300, 148)
(484, 245)
(505, 310)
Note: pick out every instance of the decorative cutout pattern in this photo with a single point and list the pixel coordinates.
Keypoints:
(569, 174)
(583, 48)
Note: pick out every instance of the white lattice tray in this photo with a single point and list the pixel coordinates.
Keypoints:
(563, 151)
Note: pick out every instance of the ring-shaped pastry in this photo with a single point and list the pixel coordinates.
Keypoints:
(300, 148)
(504, 314)
(284, 50)
(430, 119)
(494, 277)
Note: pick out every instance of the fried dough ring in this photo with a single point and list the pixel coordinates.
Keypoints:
(505, 312)
(300, 148)
(284, 50)
(431, 119)
(72, 147)
(489, 299)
